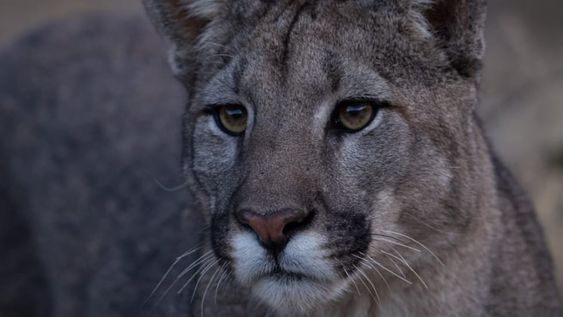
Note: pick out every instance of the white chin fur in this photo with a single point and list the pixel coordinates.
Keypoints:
(291, 297)
(288, 295)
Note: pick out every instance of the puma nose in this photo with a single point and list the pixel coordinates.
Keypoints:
(272, 229)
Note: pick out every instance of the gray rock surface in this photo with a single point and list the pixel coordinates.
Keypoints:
(522, 103)
(84, 137)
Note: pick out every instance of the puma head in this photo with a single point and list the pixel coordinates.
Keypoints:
(327, 139)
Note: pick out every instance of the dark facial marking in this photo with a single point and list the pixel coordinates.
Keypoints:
(332, 70)
(219, 233)
(287, 38)
(350, 234)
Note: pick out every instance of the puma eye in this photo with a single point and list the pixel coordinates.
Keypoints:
(232, 119)
(353, 116)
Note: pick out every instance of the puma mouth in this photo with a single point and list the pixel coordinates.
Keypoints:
(285, 282)
(300, 276)
(288, 292)
(302, 260)
(282, 275)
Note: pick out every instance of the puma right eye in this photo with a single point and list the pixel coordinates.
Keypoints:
(353, 116)
(232, 119)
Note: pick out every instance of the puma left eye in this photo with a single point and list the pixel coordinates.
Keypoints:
(232, 119)
(353, 116)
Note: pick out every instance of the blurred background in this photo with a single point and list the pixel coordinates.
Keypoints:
(522, 88)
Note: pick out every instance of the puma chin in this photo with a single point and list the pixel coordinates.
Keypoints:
(297, 277)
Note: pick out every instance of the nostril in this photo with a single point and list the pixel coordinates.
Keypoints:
(298, 223)
(251, 221)
(243, 217)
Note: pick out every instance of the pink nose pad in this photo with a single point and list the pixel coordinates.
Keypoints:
(270, 228)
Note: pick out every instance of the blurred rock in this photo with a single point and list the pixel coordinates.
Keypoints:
(522, 103)
(17, 16)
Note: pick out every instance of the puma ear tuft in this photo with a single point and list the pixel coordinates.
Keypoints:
(457, 26)
(416, 16)
(182, 22)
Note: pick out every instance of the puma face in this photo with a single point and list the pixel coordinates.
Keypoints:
(327, 141)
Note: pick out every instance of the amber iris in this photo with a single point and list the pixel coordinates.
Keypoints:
(354, 115)
(232, 119)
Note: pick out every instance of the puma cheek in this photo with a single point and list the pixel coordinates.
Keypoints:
(218, 153)
(385, 208)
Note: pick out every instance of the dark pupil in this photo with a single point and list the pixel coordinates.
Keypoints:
(355, 110)
(234, 113)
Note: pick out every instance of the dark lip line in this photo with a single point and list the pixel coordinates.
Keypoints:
(285, 272)
(287, 276)
(281, 273)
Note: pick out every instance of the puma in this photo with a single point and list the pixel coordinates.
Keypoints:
(335, 151)
(331, 147)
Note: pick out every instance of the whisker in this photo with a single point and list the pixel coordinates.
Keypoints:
(204, 258)
(196, 273)
(417, 242)
(379, 273)
(204, 228)
(424, 223)
(387, 236)
(411, 269)
(398, 243)
(387, 270)
(353, 281)
(171, 189)
(209, 266)
(178, 259)
(391, 256)
(377, 300)
(207, 288)
(170, 268)
(220, 280)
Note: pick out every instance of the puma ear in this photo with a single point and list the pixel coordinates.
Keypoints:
(458, 27)
(181, 22)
